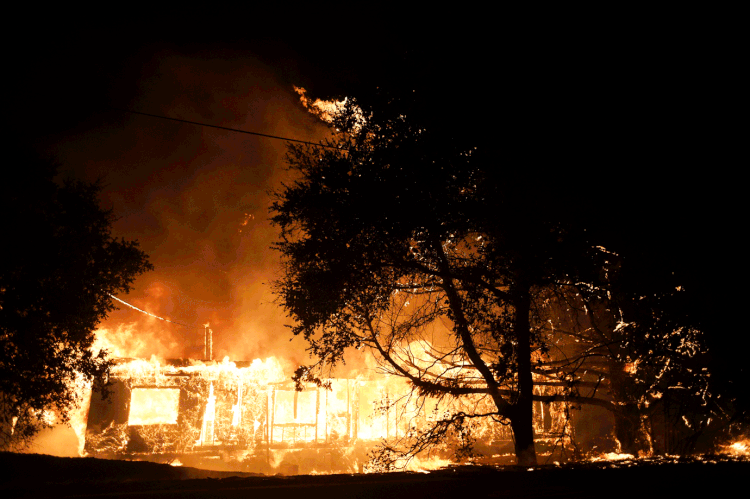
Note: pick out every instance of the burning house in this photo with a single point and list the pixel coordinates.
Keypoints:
(248, 416)
(199, 411)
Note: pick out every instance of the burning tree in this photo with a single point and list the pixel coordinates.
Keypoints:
(60, 266)
(398, 240)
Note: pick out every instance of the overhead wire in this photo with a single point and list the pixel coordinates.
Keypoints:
(277, 137)
(198, 123)
(149, 313)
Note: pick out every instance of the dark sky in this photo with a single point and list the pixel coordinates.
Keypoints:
(623, 129)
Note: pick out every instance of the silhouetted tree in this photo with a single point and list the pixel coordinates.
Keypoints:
(503, 185)
(394, 238)
(636, 334)
(634, 359)
(60, 264)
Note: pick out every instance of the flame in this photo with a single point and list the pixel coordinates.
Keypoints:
(631, 367)
(327, 110)
(152, 332)
(251, 412)
(425, 465)
(134, 340)
(613, 456)
(737, 448)
(154, 406)
(268, 370)
(255, 407)
(79, 415)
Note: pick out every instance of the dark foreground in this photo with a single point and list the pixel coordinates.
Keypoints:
(33, 475)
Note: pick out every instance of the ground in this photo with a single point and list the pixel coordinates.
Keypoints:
(34, 475)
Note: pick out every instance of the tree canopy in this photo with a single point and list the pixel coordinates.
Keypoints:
(60, 266)
(480, 281)
(398, 241)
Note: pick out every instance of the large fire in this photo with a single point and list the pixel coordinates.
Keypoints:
(249, 414)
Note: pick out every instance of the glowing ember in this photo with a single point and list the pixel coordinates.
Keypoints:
(613, 456)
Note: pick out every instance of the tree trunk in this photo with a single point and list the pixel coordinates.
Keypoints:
(523, 421)
(627, 429)
(523, 432)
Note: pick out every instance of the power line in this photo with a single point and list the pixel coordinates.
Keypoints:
(230, 129)
(149, 313)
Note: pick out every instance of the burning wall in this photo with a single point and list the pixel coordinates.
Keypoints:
(185, 406)
(249, 411)
(154, 408)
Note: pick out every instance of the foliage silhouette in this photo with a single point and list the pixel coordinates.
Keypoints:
(399, 242)
(59, 268)
(493, 286)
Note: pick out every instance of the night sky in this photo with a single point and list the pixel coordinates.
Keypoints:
(639, 142)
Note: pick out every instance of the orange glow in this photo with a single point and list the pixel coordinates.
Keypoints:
(327, 110)
(613, 456)
(738, 448)
(134, 340)
(149, 406)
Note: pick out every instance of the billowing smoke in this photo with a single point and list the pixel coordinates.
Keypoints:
(197, 200)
